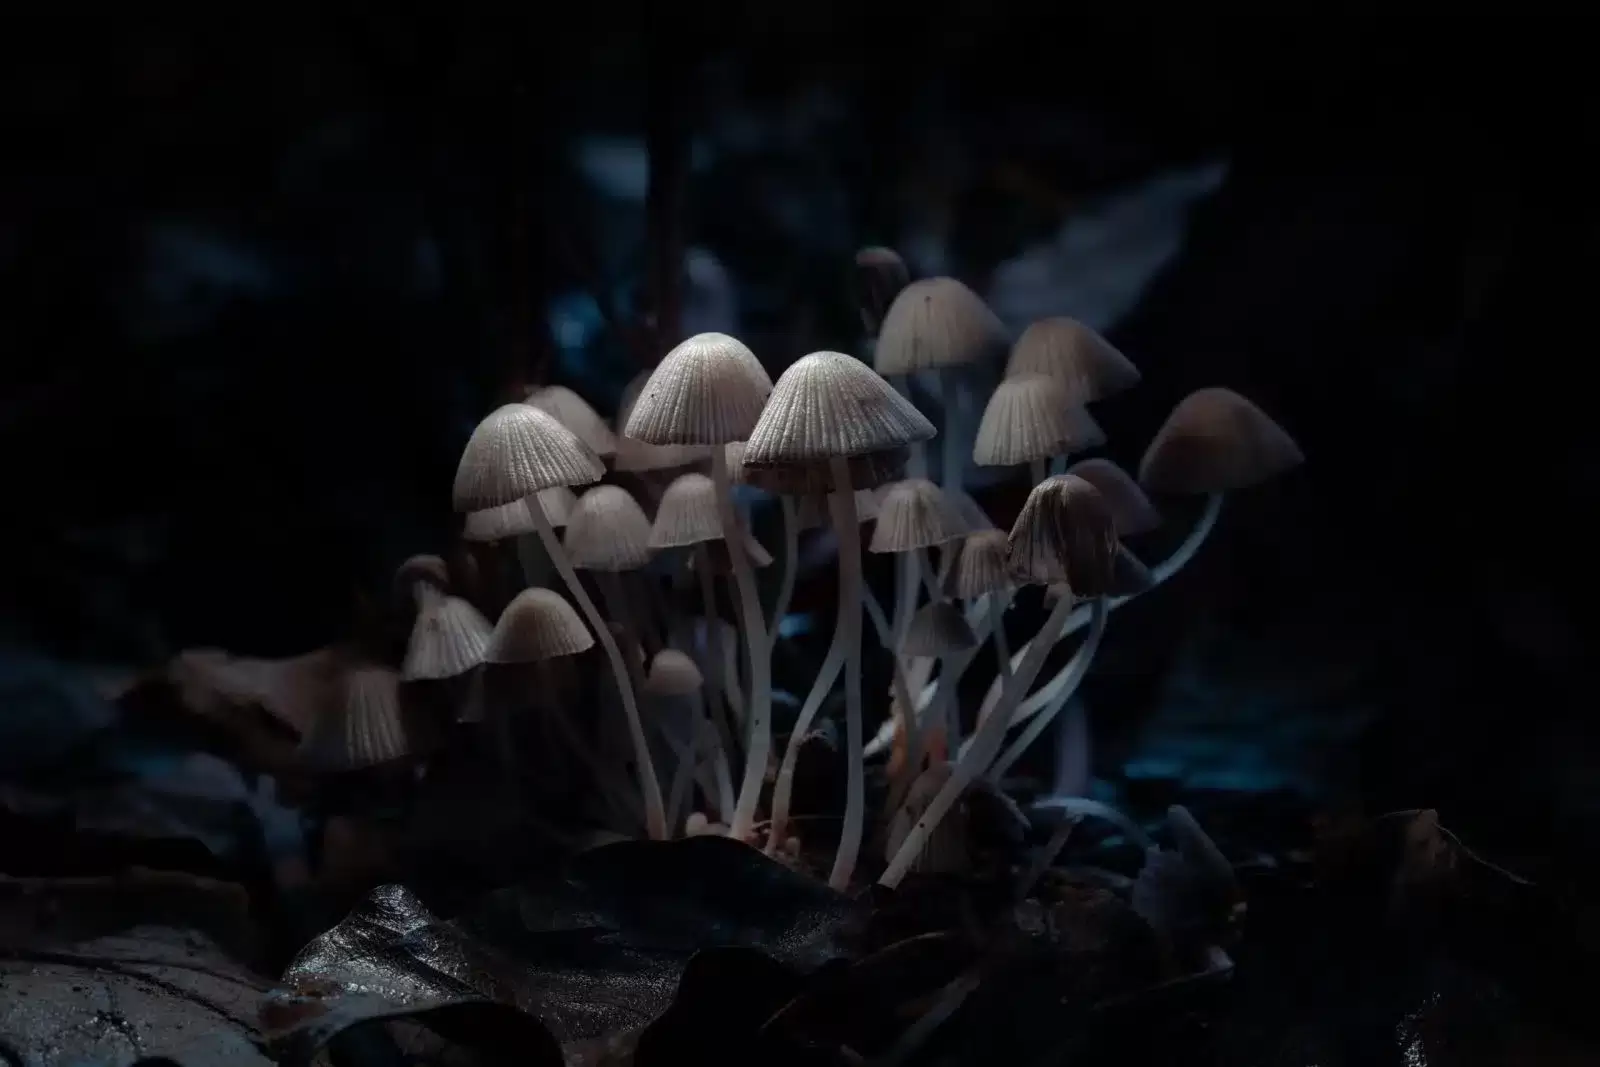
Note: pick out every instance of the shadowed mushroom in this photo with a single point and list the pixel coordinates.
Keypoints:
(448, 639)
(515, 452)
(674, 675)
(827, 417)
(710, 391)
(574, 412)
(1085, 363)
(1064, 533)
(1030, 419)
(364, 727)
(607, 534)
(1131, 509)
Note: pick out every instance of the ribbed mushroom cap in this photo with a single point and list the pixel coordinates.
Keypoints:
(707, 391)
(1065, 534)
(946, 850)
(937, 322)
(607, 531)
(448, 639)
(1076, 356)
(1131, 509)
(981, 565)
(517, 451)
(638, 456)
(687, 513)
(880, 275)
(1031, 417)
(514, 520)
(829, 405)
(537, 625)
(1216, 441)
(364, 727)
(672, 674)
(574, 412)
(425, 569)
(813, 510)
(938, 629)
(914, 514)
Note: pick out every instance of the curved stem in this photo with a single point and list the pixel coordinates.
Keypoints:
(655, 811)
(783, 788)
(758, 726)
(971, 763)
(791, 565)
(843, 505)
(1072, 676)
(616, 599)
(679, 789)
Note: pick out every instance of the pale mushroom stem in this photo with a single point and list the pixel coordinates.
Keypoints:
(721, 706)
(976, 758)
(843, 505)
(999, 600)
(655, 811)
(791, 566)
(1072, 676)
(758, 723)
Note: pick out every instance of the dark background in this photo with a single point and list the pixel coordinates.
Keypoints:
(261, 277)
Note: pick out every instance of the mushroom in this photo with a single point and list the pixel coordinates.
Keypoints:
(638, 457)
(515, 452)
(833, 425)
(673, 674)
(364, 727)
(1031, 419)
(1064, 533)
(709, 391)
(1131, 509)
(608, 533)
(447, 640)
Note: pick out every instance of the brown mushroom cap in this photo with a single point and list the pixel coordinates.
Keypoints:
(1130, 507)
(880, 275)
(537, 625)
(938, 629)
(607, 531)
(934, 323)
(1065, 534)
(829, 405)
(574, 412)
(914, 514)
(709, 390)
(981, 565)
(517, 451)
(1031, 417)
(1216, 441)
(448, 639)
(1084, 363)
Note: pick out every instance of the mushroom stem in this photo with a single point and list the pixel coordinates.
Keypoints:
(1071, 677)
(621, 611)
(783, 787)
(998, 601)
(679, 788)
(843, 505)
(758, 724)
(654, 810)
(791, 565)
(722, 713)
(980, 751)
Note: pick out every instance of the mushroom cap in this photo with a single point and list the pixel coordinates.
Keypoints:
(574, 412)
(366, 725)
(517, 451)
(1065, 534)
(880, 275)
(1216, 441)
(1031, 417)
(1131, 509)
(981, 566)
(514, 519)
(537, 625)
(937, 322)
(673, 674)
(607, 531)
(914, 514)
(829, 405)
(709, 390)
(639, 456)
(448, 639)
(1084, 362)
(938, 629)
(687, 513)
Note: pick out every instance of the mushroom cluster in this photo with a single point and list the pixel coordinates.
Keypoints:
(648, 499)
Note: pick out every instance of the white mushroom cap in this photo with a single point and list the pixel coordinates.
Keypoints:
(517, 451)
(448, 639)
(537, 625)
(1032, 417)
(514, 520)
(914, 514)
(574, 412)
(934, 323)
(1084, 363)
(607, 531)
(707, 391)
(687, 513)
(365, 727)
(635, 455)
(673, 674)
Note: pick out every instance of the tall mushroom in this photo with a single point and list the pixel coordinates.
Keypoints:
(515, 452)
(832, 425)
(709, 391)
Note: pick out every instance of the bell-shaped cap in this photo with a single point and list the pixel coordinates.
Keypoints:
(638, 456)
(914, 514)
(673, 674)
(687, 513)
(981, 565)
(607, 531)
(1216, 441)
(1065, 534)
(1086, 364)
(1131, 509)
(936, 323)
(1031, 417)
(514, 519)
(448, 639)
(880, 275)
(938, 629)
(537, 625)
(574, 412)
(707, 391)
(517, 451)
(364, 727)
